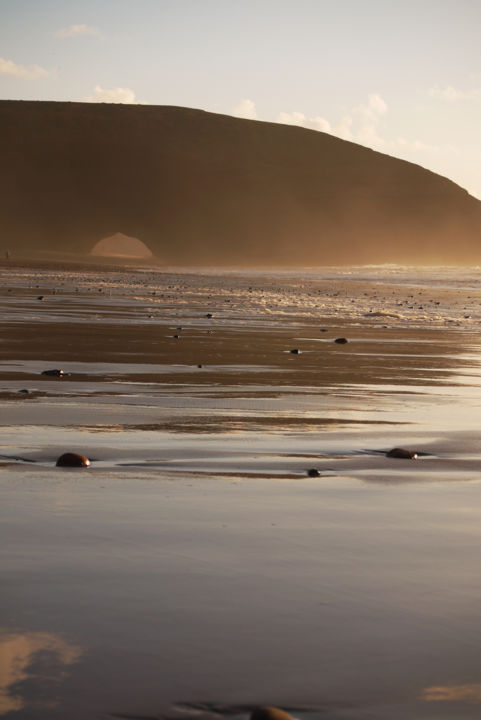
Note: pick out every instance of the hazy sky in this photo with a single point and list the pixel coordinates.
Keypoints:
(401, 76)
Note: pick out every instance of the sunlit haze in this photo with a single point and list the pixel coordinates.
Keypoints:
(402, 78)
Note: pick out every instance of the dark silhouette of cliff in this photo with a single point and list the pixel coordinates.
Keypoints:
(200, 188)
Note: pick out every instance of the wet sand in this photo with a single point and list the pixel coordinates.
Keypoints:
(195, 561)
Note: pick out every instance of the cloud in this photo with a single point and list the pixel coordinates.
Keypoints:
(363, 124)
(450, 94)
(343, 129)
(77, 30)
(8, 67)
(297, 118)
(115, 95)
(245, 109)
(376, 105)
(368, 134)
(359, 125)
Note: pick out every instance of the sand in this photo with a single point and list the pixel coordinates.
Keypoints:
(195, 569)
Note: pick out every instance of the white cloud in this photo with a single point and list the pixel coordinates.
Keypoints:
(245, 109)
(370, 113)
(297, 118)
(368, 134)
(363, 124)
(450, 94)
(359, 125)
(376, 104)
(115, 95)
(8, 67)
(76, 30)
(343, 129)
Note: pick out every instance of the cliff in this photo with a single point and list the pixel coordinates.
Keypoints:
(201, 188)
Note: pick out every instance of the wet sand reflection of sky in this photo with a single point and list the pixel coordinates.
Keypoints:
(453, 693)
(28, 656)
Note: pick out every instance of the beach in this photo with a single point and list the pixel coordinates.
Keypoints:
(241, 537)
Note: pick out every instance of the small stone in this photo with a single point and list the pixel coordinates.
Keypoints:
(270, 713)
(402, 453)
(53, 373)
(341, 341)
(295, 351)
(72, 460)
(313, 472)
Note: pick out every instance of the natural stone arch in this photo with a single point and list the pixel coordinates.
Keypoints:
(119, 245)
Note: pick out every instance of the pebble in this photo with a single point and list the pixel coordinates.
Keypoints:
(72, 460)
(402, 453)
(270, 713)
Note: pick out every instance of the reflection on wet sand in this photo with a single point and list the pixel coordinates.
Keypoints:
(453, 693)
(241, 534)
(34, 658)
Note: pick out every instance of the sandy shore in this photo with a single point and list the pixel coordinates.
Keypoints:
(195, 561)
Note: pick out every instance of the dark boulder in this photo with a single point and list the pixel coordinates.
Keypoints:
(72, 460)
(402, 453)
(270, 713)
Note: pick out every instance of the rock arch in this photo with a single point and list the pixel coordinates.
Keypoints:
(119, 245)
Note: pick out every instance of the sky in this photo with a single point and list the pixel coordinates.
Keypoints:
(399, 76)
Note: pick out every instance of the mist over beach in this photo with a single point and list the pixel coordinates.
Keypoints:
(240, 360)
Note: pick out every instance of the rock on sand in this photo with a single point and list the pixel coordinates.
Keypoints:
(270, 713)
(402, 453)
(72, 460)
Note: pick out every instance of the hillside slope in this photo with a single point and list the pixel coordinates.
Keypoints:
(200, 188)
